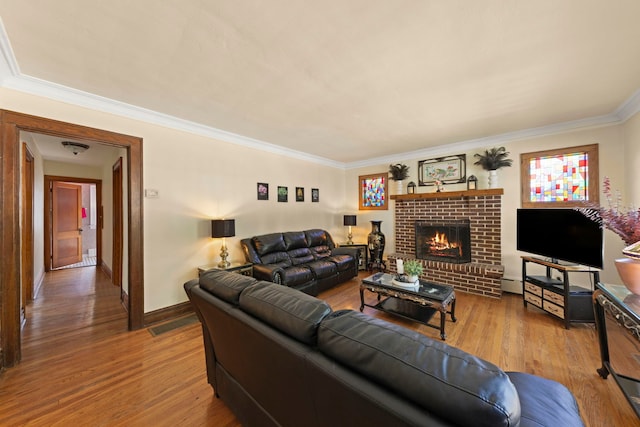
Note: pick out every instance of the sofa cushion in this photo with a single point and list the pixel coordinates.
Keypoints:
(295, 240)
(432, 374)
(288, 310)
(545, 402)
(323, 268)
(281, 259)
(322, 251)
(300, 256)
(342, 262)
(268, 243)
(225, 285)
(296, 275)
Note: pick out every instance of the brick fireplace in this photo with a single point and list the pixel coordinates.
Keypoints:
(482, 210)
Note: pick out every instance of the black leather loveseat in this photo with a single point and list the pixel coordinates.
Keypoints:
(279, 357)
(305, 260)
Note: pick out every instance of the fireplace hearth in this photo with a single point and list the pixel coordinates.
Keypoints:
(448, 241)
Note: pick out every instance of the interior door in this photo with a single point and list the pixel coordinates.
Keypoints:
(66, 224)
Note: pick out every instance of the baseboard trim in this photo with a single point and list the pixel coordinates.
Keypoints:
(167, 313)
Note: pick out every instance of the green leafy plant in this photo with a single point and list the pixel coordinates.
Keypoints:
(493, 159)
(399, 171)
(413, 267)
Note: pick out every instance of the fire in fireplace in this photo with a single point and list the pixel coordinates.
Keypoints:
(444, 241)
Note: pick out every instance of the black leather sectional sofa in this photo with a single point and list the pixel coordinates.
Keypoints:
(279, 357)
(305, 260)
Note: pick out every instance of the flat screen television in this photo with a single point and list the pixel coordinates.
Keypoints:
(561, 235)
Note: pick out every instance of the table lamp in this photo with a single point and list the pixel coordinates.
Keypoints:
(350, 220)
(223, 228)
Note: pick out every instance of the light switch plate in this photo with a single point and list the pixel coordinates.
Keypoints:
(150, 193)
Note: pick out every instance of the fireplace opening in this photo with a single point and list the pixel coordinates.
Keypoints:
(444, 241)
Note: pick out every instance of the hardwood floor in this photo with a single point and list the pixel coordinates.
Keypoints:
(81, 366)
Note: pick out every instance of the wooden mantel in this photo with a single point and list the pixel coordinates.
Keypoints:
(449, 194)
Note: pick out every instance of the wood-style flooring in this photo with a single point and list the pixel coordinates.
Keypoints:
(81, 366)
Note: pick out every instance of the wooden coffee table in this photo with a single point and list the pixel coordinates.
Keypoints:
(418, 303)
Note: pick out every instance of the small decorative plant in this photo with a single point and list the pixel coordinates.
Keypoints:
(413, 268)
(399, 171)
(493, 159)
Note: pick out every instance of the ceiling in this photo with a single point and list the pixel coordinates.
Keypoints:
(346, 80)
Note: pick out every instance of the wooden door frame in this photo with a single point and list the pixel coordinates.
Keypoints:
(11, 124)
(48, 242)
(28, 175)
(117, 225)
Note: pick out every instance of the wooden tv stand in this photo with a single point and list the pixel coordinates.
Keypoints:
(557, 296)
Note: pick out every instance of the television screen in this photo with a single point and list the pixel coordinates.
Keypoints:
(561, 235)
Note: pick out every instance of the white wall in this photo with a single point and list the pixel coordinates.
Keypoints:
(198, 179)
(632, 160)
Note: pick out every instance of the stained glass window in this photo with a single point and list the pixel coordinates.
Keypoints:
(564, 177)
(559, 178)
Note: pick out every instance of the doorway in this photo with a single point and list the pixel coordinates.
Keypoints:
(72, 222)
(11, 124)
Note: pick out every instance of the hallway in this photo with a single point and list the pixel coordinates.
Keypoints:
(81, 366)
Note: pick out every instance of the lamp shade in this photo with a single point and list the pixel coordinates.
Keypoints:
(350, 220)
(223, 227)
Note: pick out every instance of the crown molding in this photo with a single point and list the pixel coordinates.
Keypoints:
(38, 87)
(500, 139)
(8, 64)
(629, 108)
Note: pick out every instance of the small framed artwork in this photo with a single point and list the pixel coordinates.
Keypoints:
(446, 170)
(372, 190)
(315, 195)
(263, 191)
(299, 194)
(283, 194)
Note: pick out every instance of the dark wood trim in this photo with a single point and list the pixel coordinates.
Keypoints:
(167, 313)
(11, 124)
(450, 194)
(10, 283)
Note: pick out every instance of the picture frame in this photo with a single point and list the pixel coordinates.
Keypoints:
(263, 191)
(283, 194)
(447, 170)
(315, 195)
(372, 190)
(299, 194)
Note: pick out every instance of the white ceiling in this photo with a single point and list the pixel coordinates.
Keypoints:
(343, 80)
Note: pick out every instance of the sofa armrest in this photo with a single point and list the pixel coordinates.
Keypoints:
(268, 272)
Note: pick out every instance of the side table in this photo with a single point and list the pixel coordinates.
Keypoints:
(363, 259)
(244, 268)
(617, 313)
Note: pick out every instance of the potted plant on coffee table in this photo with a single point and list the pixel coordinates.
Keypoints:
(413, 269)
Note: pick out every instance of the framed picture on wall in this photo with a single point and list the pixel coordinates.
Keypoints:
(263, 191)
(372, 190)
(299, 194)
(315, 195)
(283, 194)
(447, 170)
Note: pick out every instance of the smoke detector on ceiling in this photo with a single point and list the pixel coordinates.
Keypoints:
(75, 147)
